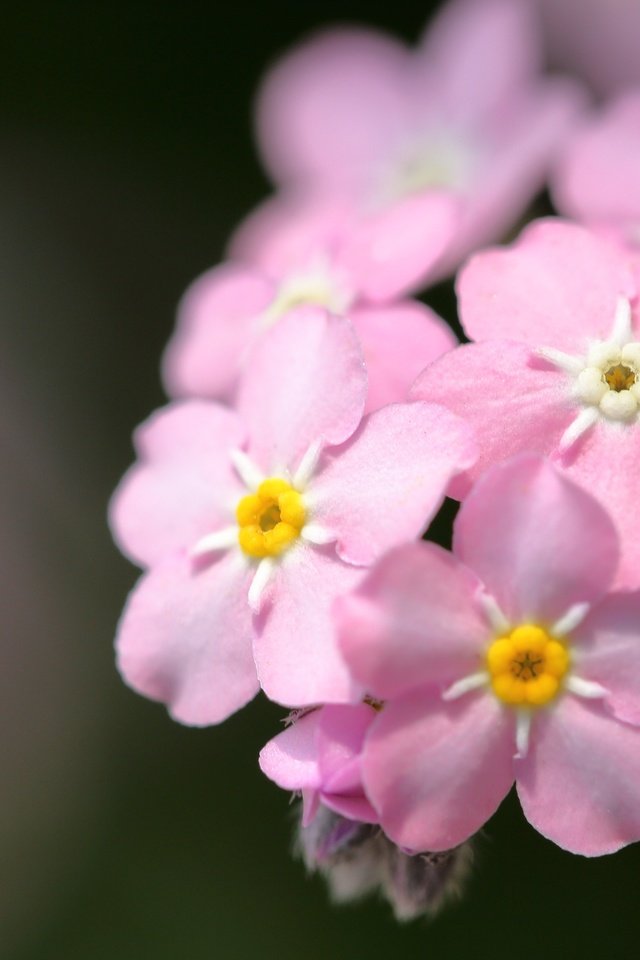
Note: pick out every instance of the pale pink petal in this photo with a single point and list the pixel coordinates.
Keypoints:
(580, 784)
(460, 51)
(606, 649)
(437, 771)
(539, 542)
(413, 620)
(185, 639)
(291, 229)
(296, 649)
(183, 486)
(384, 486)
(598, 179)
(398, 341)
(327, 110)
(514, 401)
(305, 382)
(341, 732)
(514, 166)
(604, 463)
(557, 286)
(218, 320)
(291, 758)
(392, 251)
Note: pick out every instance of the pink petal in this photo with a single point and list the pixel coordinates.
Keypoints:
(341, 732)
(514, 401)
(598, 179)
(580, 784)
(459, 51)
(437, 771)
(512, 165)
(413, 620)
(385, 485)
(398, 341)
(326, 111)
(538, 541)
(291, 758)
(604, 463)
(289, 230)
(296, 651)
(183, 486)
(393, 251)
(185, 639)
(218, 320)
(607, 651)
(557, 286)
(305, 382)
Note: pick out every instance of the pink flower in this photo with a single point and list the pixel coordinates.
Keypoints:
(251, 522)
(464, 123)
(508, 659)
(291, 253)
(319, 755)
(556, 370)
(598, 178)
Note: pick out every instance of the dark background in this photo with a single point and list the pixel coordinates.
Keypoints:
(125, 160)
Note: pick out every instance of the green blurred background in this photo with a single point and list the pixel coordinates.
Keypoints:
(125, 160)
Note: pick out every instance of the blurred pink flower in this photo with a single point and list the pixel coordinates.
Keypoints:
(291, 253)
(598, 177)
(508, 659)
(319, 755)
(464, 122)
(253, 521)
(556, 370)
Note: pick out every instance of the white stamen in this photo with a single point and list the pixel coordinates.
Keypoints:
(586, 419)
(570, 620)
(218, 540)
(493, 613)
(603, 354)
(260, 580)
(249, 473)
(586, 688)
(523, 730)
(466, 685)
(621, 332)
(561, 359)
(307, 466)
(590, 385)
(316, 533)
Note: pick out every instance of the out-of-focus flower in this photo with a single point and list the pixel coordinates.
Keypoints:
(357, 859)
(597, 39)
(465, 121)
(598, 177)
(253, 521)
(508, 659)
(291, 253)
(556, 370)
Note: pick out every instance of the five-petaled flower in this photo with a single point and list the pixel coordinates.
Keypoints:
(510, 659)
(252, 521)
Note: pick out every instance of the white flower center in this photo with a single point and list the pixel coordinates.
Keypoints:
(606, 381)
(319, 284)
(439, 160)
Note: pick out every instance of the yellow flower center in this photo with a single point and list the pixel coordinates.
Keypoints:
(270, 519)
(620, 377)
(527, 666)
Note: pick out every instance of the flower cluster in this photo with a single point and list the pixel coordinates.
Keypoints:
(320, 415)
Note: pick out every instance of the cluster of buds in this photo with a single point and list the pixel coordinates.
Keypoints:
(320, 415)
